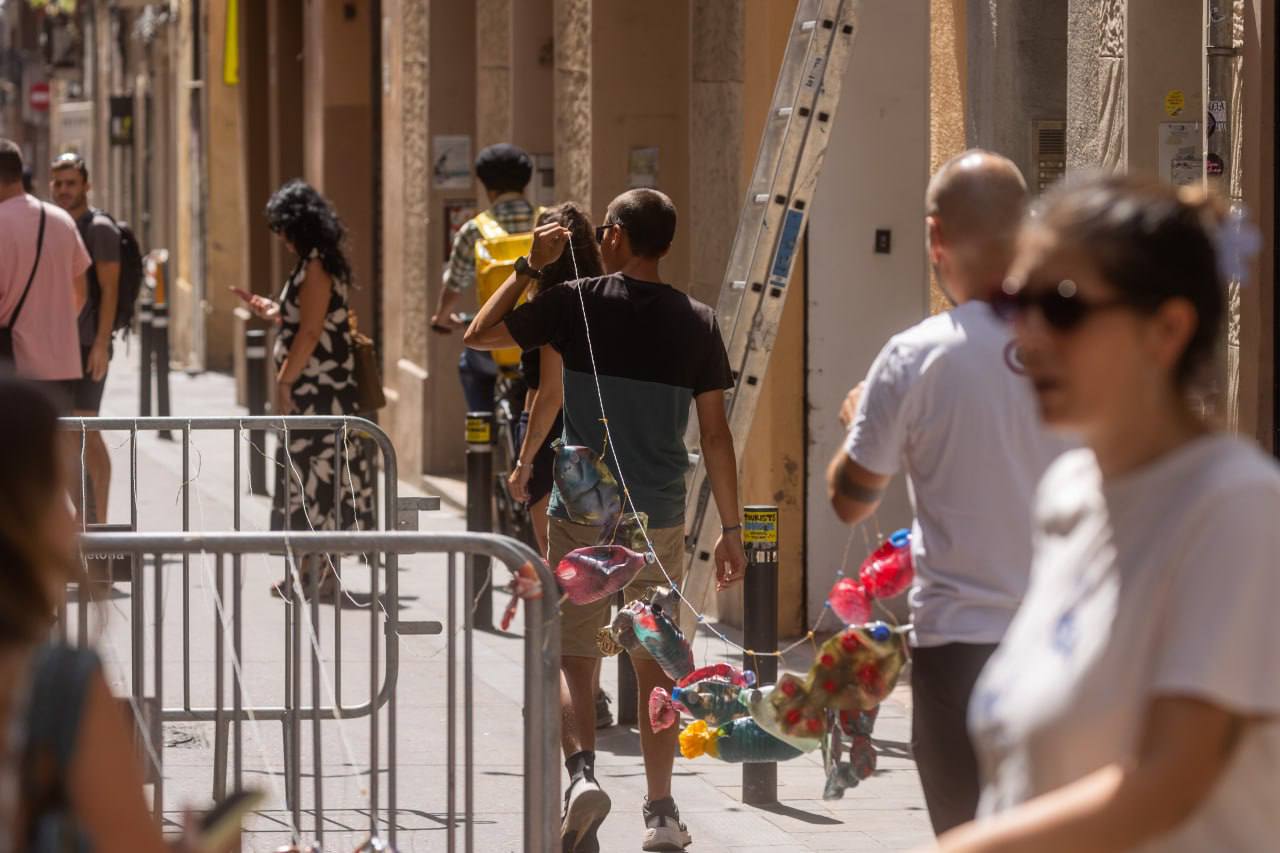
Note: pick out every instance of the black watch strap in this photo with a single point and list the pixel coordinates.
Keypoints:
(523, 267)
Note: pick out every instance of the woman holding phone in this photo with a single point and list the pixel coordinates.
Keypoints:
(1134, 702)
(315, 375)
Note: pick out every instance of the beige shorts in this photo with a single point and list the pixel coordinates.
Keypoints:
(580, 623)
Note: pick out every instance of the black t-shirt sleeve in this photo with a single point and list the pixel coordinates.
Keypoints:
(714, 373)
(543, 320)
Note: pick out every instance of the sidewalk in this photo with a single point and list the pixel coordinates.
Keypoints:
(885, 812)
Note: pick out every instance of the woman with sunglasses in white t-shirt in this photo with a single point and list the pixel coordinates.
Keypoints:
(1134, 702)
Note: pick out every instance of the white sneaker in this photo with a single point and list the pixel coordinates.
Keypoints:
(586, 805)
(663, 829)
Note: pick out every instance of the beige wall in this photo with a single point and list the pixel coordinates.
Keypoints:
(874, 177)
(227, 263)
(451, 111)
(631, 110)
(1164, 51)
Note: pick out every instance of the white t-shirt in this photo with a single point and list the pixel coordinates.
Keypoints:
(947, 399)
(1161, 582)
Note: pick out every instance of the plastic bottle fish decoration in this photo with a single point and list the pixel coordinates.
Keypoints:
(627, 530)
(850, 602)
(889, 569)
(664, 712)
(887, 572)
(524, 586)
(739, 741)
(766, 717)
(844, 774)
(723, 671)
(717, 702)
(586, 486)
(661, 637)
(855, 670)
(597, 571)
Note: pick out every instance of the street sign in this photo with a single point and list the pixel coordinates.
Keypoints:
(39, 97)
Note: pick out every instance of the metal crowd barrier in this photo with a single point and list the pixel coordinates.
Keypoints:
(541, 680)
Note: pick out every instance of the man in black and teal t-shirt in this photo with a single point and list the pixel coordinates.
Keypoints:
(656, 351)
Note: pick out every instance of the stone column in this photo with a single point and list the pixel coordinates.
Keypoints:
(1096, 87)
(493, 72)
(572, 36)
(1257, 162)
(715, 139)
(406, 171)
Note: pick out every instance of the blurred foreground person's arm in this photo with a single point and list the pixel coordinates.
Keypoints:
(1186, 745)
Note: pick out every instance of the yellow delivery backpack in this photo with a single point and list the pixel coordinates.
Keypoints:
(496, 254)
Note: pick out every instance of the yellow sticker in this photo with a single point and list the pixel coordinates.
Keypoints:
(1174, 102)
(760, 526)
(479, 431)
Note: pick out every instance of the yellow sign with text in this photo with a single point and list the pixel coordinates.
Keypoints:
(759, 526)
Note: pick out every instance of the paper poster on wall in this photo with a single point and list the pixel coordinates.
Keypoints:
(642, 167)
(542, 190)
(451, 162)
(456, 213)
(1181, 161)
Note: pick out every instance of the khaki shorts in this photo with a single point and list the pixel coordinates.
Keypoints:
(580, 623)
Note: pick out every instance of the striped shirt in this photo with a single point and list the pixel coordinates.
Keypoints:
(512, 211)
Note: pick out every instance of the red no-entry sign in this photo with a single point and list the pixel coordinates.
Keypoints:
(40, 97)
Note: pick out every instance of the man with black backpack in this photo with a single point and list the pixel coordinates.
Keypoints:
(113, 282)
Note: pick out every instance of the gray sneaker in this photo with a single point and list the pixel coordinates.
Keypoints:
(604, 717)
(586, 805)
(662, 827)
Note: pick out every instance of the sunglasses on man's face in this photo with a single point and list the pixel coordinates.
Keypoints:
(1061, 305)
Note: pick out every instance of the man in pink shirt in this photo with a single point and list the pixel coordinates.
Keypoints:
(46, 340)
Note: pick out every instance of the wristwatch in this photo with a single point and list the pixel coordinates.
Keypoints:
(523, 268)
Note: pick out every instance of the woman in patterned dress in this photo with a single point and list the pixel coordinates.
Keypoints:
(315, 375)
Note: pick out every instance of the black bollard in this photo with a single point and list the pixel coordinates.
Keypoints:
(760, 630)
(160, 349)
(146, 313)
(480, 513)
(255, 365)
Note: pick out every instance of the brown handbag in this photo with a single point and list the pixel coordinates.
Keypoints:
(369, 396)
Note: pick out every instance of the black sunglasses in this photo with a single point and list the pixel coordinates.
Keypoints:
(601, 230)
(1060, 305)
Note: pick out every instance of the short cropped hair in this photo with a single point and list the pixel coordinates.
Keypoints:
(649, 218)
(70, 160)
(10, 162)
(504, 168)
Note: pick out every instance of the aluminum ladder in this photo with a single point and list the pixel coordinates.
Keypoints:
(770, 228)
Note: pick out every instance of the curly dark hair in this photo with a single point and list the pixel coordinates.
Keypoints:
(585, 249)
(307, 220)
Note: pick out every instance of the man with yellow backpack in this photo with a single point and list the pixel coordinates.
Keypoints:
(485, 251)
(484, 254)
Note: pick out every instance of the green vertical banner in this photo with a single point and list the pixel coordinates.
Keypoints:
(231, 45)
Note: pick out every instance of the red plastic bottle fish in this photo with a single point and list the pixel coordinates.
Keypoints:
(597, 571)
(889, 570)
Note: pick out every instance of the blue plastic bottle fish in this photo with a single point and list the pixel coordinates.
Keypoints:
(661, 637)
(587, 488)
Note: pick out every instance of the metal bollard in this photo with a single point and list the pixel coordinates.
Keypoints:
(480, 513)
(146, 314)
(628, 693)
(255, 359)
(760, 630)
(160, 351)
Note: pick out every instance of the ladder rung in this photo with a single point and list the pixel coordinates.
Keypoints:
(760, 198)
(808, 26)
(738, 285)
(782, 112)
